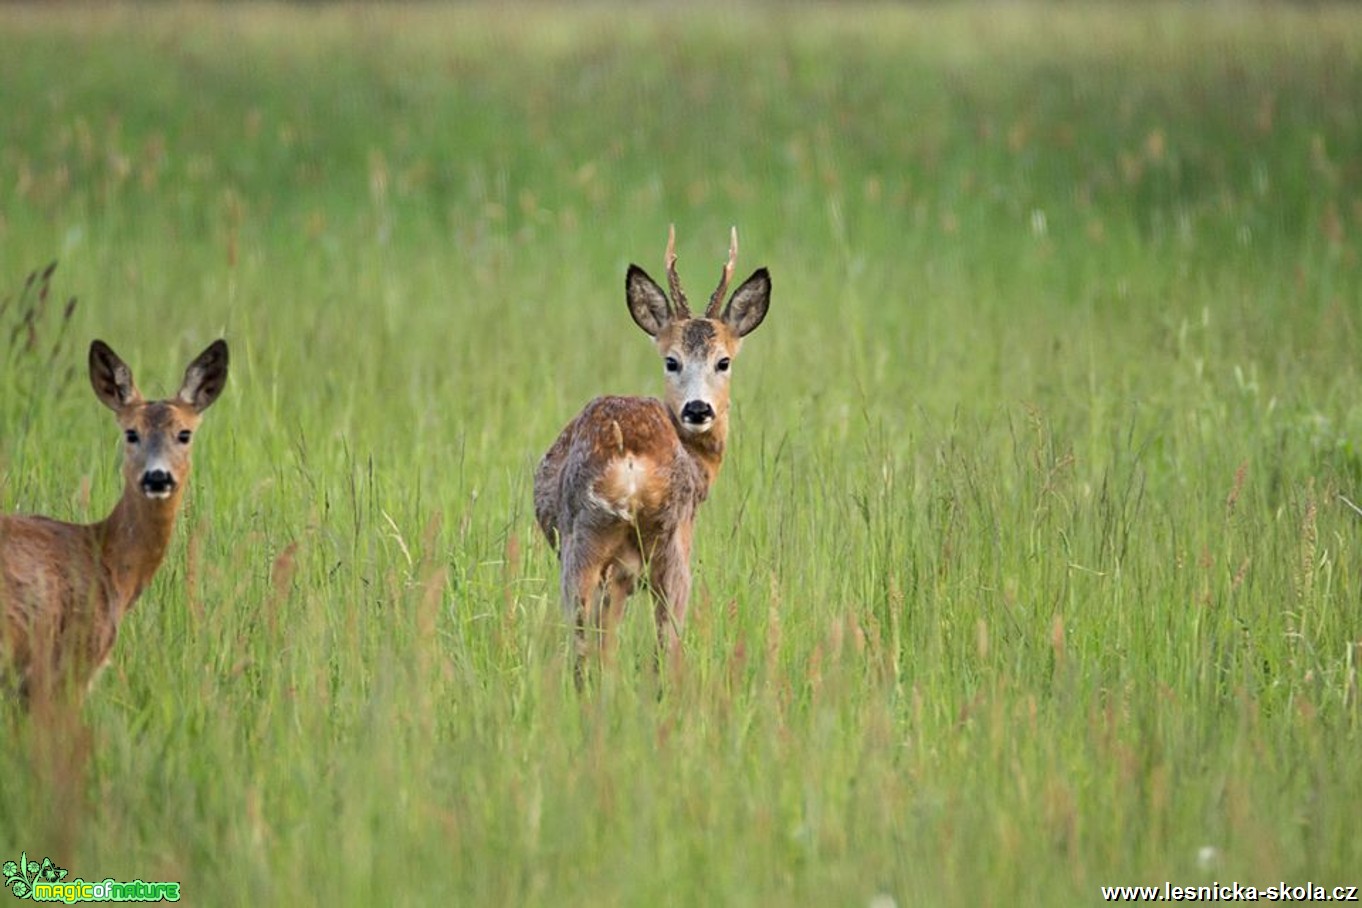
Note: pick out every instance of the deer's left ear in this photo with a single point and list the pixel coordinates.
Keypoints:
(747, 307)
(205, 377)
(111, 378)
(647, 302)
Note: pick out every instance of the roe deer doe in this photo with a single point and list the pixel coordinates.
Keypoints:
(618, 491)
(65, 587)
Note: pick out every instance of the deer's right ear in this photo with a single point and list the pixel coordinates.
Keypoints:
(748, 306)
(205, 377)
(647, 302)
(111, 378)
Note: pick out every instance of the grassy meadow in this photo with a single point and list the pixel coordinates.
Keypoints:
(1031, 568)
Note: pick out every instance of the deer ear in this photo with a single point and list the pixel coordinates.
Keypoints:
(749, 303)
(205, 377)
(111, 378)
(647, 302)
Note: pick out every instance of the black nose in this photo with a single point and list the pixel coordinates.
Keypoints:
(697, 411)
(158, 481)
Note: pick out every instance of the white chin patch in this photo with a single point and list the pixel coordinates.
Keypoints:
(697, 428)
(161, 495)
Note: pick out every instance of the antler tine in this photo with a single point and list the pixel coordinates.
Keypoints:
(716, 300)
(682, 310)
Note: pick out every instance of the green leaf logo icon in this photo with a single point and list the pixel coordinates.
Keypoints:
(17, 877)
(21, 876)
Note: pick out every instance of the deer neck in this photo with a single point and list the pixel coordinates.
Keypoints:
(134, 541)
(707, 449)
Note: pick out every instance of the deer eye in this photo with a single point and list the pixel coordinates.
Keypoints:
(132, 436)
(672, 364)
(184, 436)
(723, 364)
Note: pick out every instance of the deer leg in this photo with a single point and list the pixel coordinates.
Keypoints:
(669, 582)
(580, 579)
(619, 585)
(41, 674)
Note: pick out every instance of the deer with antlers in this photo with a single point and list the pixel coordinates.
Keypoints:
(65, 587)
(618, 491)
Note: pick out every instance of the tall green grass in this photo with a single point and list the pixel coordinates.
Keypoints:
(1029, 569)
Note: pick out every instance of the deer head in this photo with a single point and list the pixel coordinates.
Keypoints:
(157, 434)
(698, 353)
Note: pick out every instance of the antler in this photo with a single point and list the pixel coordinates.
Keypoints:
(674, 282)
(716, 300)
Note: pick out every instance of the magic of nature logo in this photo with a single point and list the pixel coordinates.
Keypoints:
(46, 882)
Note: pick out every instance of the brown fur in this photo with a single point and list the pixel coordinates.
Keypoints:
(64, 587)
(617, 492)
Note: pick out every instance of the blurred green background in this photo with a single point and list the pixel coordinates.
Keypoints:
(1030, 569)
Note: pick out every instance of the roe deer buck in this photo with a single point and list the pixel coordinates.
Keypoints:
(618, 491)
(65, 587)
